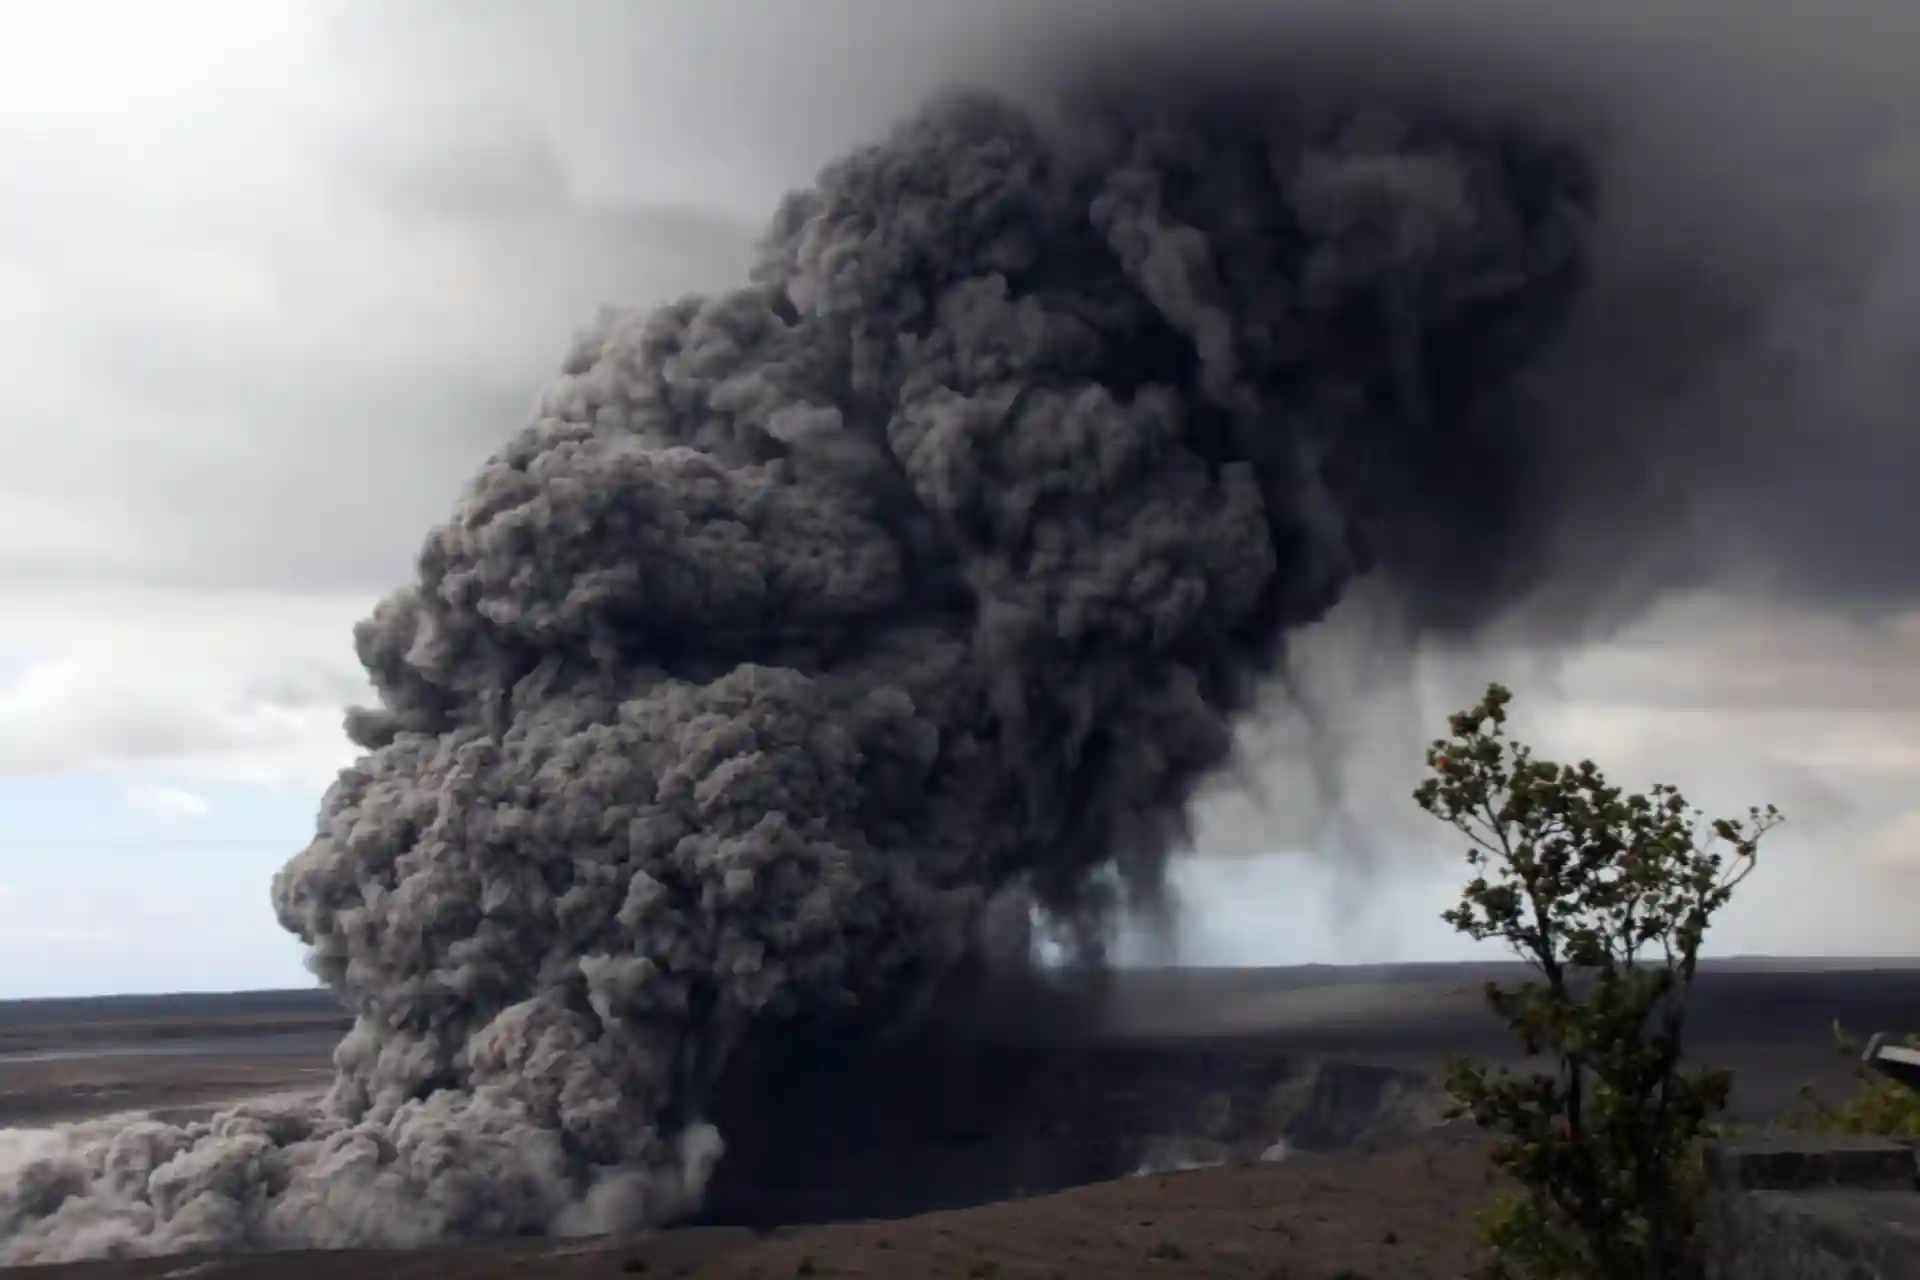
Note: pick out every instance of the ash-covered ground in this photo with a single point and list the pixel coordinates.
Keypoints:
(1160, 1069)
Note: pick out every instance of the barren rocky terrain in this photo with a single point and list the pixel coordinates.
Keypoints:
(1305, 1094)
(1391, 1216)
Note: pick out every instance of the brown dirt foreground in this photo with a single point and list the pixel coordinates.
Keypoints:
(1394, 1215)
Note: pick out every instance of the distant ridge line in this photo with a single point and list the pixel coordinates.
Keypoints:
(319, 999)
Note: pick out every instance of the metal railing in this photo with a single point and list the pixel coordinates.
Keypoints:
(1895, 1061)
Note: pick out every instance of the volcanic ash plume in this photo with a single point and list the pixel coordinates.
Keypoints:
(806, 619)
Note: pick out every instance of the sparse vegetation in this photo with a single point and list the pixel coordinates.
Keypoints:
(1878, 1105)
(1607, 895)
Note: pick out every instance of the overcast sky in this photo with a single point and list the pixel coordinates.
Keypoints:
(275, 277)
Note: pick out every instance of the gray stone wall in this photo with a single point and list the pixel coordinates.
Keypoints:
(1792, 1207)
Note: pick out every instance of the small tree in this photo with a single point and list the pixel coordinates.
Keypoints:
(1607, 896)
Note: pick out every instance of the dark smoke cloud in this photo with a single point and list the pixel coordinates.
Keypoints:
(930, 570)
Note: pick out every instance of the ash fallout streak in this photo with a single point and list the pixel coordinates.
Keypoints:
(929, 569)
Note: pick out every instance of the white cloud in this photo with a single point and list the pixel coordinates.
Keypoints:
(1895, 848)
(272, 361)
(94, 58)
(170, 804)
(231, 687)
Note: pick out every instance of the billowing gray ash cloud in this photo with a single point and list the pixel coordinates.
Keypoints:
(932, 565)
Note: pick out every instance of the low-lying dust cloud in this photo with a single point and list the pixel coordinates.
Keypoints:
(931, 568)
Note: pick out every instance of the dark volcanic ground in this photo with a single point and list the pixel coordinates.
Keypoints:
(71, 1059)
(1191, 1067)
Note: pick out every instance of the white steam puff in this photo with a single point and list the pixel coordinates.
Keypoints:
(806, 619)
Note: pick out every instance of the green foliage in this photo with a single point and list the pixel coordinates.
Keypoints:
(1879, 1106)
(1607, 896)
(1522, 1240)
